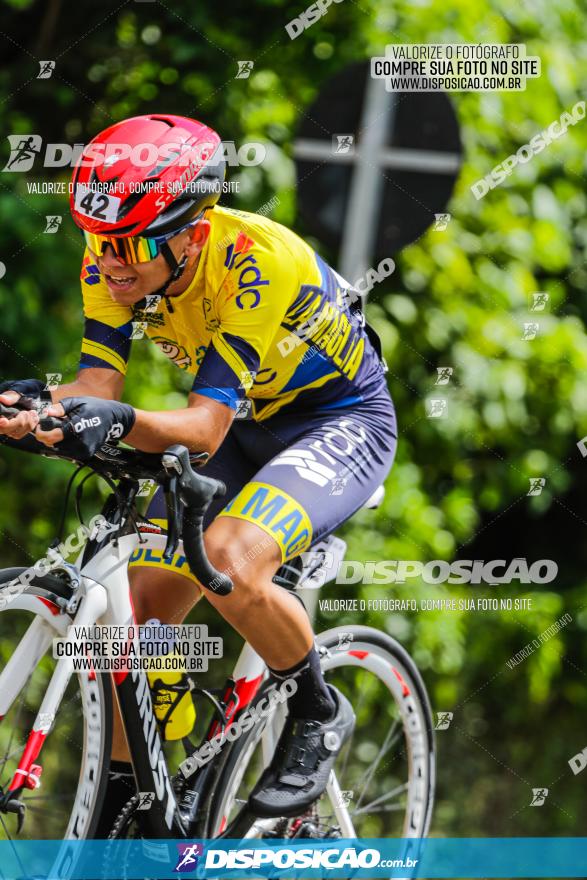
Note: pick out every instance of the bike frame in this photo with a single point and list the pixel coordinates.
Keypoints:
(102, 596)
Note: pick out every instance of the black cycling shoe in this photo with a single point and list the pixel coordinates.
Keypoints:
(305, 754)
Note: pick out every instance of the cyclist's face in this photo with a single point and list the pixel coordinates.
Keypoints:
(130, 282)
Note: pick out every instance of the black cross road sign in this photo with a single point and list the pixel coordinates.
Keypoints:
(371, 196)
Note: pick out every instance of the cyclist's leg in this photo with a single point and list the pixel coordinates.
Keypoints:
(269, 617)
(346, 456)
(320, 470)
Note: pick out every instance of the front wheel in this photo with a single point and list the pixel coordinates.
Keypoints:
(74, 745)
(383, 781)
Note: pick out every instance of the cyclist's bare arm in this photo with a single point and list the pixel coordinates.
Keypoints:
(90, 382)
(201, 427)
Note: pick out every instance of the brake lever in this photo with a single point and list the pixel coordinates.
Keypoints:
(174, 518)
(195, 494)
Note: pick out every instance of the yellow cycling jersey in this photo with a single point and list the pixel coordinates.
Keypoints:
(264, 325)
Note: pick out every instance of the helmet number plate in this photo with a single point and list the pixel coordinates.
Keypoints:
(97, 205)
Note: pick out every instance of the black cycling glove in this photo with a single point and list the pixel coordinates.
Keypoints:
(29, 389)
(90, 422)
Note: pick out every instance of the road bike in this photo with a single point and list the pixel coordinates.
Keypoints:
(56, 727)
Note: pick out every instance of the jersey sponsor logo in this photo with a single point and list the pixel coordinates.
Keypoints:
(321, 463)
(262, 379)
(318, 321)
(175, 352)
(250, 277)
(212, 324)
(244, 243)
(306, 466)
(152, 557)
(148, 316)
(242, 246)
(275, 512)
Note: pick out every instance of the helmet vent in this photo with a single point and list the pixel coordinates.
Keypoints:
(128, 205)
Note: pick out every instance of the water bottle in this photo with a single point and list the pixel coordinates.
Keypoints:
(171, 694)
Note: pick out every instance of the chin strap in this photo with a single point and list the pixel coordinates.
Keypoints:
(176, 272)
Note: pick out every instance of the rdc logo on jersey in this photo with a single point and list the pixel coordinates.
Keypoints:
(188, 854)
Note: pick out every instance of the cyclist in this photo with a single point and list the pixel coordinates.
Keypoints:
(289, 399)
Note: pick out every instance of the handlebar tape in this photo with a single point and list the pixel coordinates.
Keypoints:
(8, 412)
(45, 424)
(196, 492)
(49, 423)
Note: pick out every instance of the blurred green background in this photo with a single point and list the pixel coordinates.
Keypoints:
(458, 298)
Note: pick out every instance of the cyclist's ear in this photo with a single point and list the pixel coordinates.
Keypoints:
(198, 236)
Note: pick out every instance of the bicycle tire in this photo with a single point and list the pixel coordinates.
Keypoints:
(400, 660)
(40, 600)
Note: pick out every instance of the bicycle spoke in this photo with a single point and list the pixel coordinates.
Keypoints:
(14, 725)
(392, 808)
(11, 755)
(7, 832)
(393, 734)
(347, 751)
(22, 868)
(362, 698)
(43, 810)
(384, 797)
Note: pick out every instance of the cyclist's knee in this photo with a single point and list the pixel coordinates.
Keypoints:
(228, 555)
(244, 552)
(161, 594)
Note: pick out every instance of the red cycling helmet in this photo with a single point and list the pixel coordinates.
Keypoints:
(157, 173)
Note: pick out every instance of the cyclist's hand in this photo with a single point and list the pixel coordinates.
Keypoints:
(50, 438)
(19, 426)
(88, 423)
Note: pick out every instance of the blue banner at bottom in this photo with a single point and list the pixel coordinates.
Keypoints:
(506, 857)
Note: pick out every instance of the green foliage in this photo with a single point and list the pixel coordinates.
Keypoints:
(459, 298)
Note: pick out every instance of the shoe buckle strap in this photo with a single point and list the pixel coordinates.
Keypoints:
(302, 757)
(303, 728)
(296, 755)
(294, 779)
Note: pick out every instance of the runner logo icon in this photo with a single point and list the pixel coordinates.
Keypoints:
(188, 854)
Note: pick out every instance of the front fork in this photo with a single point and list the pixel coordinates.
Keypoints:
(16, 673)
